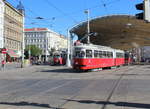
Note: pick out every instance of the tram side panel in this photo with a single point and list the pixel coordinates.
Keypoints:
(119, 59)
(93, 63)
(93, 60)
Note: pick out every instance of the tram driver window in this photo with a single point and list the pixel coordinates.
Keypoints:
(57, 56)
(89, 53)
(77, 54)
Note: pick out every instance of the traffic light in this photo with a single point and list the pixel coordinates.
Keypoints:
(140, 16)
(140, 7)
(145, 6)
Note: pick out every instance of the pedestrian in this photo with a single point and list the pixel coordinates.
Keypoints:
(3, 64)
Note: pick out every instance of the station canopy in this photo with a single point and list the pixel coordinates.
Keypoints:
(117, 31)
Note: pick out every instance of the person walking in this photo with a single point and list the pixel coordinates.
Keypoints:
(3, 64)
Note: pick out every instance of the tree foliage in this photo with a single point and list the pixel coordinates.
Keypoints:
(34, 50)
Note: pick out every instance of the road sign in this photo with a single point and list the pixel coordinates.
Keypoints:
(4, 51)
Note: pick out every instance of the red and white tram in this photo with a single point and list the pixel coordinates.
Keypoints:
(59, 58)
(89, 56)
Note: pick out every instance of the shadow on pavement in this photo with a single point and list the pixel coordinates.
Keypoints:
(66, 70)
(104, 103)
(23, 103)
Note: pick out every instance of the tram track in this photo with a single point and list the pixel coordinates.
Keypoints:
(116, 84)
(39, 82)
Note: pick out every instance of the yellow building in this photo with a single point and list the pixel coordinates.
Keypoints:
(13, 31)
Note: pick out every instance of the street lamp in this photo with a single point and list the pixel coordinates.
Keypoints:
(69, 42)
(68, 51)
(23, 45)
(88, 25)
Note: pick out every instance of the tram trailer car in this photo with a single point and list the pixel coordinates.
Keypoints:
(89, 56)
(59, 58)
(128, 58)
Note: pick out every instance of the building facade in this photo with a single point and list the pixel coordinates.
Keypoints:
(13, 31)
(45, 39)
(1, 28)
(1, 23)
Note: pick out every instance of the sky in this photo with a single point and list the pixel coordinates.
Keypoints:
(60, 15)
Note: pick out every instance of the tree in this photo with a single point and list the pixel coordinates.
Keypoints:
(34, 50)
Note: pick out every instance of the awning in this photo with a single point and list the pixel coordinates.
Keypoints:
(13, 53)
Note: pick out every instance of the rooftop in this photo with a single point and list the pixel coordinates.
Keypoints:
(118, 31)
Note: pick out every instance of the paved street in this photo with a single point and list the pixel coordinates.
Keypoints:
(12, 65)
(57, 87)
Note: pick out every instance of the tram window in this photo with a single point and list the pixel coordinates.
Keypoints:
(89, 53)
(57, 56)
(82, 54)
(63, 55)
(111, 53)
(95, 53)
(119, 55)
(79, 54)
(122, 55)
(108, 54)
(104, 54)
(100, 54)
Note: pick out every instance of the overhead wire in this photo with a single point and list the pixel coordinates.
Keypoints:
(63, 13)
(105, 6)
(34, 14)
(68, 14)
(60, 11)
(82, 10)
(114, 1)
(92, 7)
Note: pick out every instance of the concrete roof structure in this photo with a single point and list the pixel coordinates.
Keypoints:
(118, 31)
